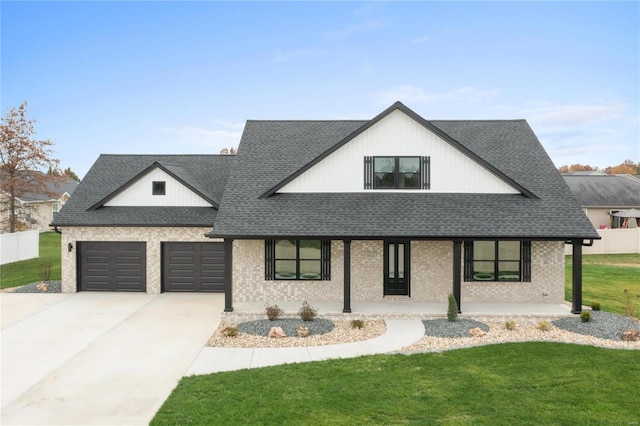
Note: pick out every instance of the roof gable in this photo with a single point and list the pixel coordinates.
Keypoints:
(422, 138)
(180, 191)
(200, 175)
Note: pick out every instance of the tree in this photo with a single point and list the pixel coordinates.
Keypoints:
(228, 151)
(70, 174)
(576, 168)
(24, 162)
(627, 167)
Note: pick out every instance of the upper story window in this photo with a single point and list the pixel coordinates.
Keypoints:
(397, 172)
(158, 188)
(55, 208)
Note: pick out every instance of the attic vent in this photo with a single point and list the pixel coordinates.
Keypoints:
(158, 188)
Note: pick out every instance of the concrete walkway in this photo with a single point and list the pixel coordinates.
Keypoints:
(98, 358)
(399, 333)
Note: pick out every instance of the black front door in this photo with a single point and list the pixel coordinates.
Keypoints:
(397, 261)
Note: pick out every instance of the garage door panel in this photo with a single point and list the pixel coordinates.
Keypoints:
(188, 266)
(111, 266)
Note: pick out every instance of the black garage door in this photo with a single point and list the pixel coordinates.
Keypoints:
(193, 267)
(112, 266)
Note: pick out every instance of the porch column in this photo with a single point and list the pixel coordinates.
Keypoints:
(347, 277)
(576, 283)
(228, 275)
(457, 271)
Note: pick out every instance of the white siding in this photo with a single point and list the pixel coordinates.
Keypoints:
(139, 194)
(398, 135)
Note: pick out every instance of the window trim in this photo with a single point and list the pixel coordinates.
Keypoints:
(271, 259)
(524, 262)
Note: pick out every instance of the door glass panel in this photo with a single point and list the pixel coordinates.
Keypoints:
(392, 260)
(400, 260)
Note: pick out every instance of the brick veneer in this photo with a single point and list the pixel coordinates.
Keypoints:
(153, 237)
(431, 276)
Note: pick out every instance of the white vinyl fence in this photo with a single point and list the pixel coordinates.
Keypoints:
(614, 241)
(19, 246)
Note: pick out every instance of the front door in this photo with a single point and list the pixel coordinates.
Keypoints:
(396, 268)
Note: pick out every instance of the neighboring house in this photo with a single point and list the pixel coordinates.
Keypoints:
(37, 210)
(393, 208)
(602, 195)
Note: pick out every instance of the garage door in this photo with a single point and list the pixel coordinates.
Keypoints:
(112, 266)
(193, 267)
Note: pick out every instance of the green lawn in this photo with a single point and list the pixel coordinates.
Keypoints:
(513, 383)
(29, 271)
(604, 279)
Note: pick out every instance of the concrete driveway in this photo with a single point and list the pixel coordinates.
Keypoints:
(98, 358)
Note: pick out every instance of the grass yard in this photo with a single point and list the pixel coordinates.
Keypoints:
(604, 279)
(29, 271)
(514, 383)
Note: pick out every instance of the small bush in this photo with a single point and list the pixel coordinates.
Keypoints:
(544, 326)
(510, 325)
(45, 271)
(307, 312)
(629, 304)
(595, 306)
(229, 331)
(273, 312)
(357, 323)
(585, 316)
(452, 310)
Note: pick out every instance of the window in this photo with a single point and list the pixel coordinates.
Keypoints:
(396, 172)
(297, 259)
(55, 208)
(497, 261)
(158, 188)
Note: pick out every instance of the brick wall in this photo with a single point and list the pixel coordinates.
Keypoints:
(431, 276)
(153, 236)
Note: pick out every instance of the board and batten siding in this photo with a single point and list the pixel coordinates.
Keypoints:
(140, 193)
(399, 135)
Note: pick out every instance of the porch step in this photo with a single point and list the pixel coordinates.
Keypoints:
(397, 298)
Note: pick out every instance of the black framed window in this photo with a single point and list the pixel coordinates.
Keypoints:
(158, 188)
(497, 261)
(411, 172)
(297, 259)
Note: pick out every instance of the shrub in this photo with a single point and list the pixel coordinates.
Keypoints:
(510, 325)
(45, 271)
(544, 326)
(452, 310)
(585, 316)
(629, 304)
(595, 306)
(307, 312)
(273, 312)
(229, 331)
(356, 323)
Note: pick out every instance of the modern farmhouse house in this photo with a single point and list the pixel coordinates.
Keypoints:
(392, 208)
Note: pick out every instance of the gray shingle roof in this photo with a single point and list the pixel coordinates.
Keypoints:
(271, 151)
(205, 173)
(604, 191)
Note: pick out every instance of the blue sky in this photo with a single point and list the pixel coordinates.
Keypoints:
(182, 77)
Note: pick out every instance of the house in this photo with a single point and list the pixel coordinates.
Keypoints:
(392, 208)
(36, 210)
(602, 195)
